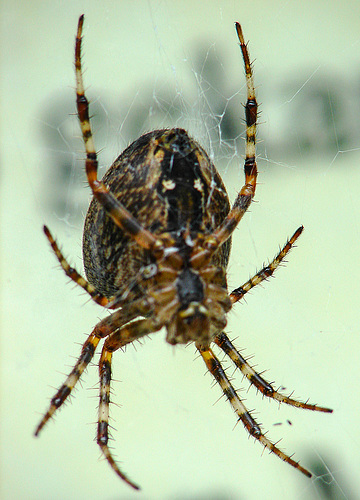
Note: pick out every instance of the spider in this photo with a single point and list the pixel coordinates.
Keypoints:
(156, 245)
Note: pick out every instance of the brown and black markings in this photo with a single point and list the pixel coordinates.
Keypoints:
(156, 245)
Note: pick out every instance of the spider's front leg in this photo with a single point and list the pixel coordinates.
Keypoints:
(224, 343)
(244, 415)
(87, 353)
(257, 380)
(101, 330)
(125, 335)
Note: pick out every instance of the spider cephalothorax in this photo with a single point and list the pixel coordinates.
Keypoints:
(156, 246)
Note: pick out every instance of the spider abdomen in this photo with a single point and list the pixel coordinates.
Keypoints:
(167, 181)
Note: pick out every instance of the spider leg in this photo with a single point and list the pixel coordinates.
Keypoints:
(266, 271)
(125, 335)
(64, 391)
(247, 192)
(120, 215)
(101, 330)
(244, 415)
(73, 274)
(254, 378)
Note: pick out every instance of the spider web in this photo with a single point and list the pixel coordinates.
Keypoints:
(166, 69)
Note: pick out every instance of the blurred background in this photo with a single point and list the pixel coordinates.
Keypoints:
(153, 64)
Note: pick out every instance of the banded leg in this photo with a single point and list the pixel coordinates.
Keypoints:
(244, 415)
(73, 274)
(266, 271)
(125, 335)
(120, 215)
(254, 378)
(247, 192)
(87, 353)
(101, 330)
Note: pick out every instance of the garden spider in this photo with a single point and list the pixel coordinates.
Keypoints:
(156, 246)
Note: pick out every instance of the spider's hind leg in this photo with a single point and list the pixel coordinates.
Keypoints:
(116, 210)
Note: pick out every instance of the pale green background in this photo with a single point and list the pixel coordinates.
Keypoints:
(303, 326)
